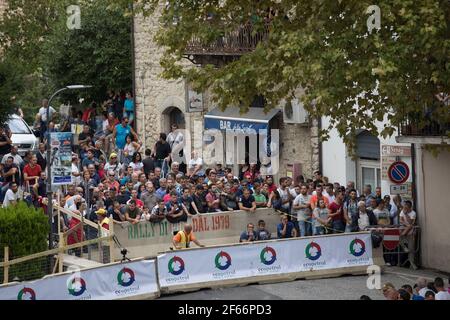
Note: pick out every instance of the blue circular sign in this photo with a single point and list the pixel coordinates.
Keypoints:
(398, 172)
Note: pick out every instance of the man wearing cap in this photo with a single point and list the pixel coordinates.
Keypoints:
(184, 237)
(103, 221)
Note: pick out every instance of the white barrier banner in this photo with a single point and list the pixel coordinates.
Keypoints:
(331, 252)
(185, 267)
(103, 283)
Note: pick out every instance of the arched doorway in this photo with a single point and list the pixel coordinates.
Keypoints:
(173, 115)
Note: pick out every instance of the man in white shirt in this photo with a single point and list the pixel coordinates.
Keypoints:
(285, 195)
(43, 111)
(195, 166)
(12, 195)
(441, 294)
(329, 193)
(18, 161)
(407, 218)
(422, 286)
(76, 175)
(43, 116)
(302, 209)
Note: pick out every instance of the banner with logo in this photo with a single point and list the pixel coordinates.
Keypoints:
(61, 157)
(123, 280)
(265, 258)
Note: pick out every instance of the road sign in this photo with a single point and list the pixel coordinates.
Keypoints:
(391, 238)
(398, 172)
(385, 164)
(395, 151)
(400, 188)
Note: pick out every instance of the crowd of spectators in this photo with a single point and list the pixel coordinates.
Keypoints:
(422, 290)
(114, 173)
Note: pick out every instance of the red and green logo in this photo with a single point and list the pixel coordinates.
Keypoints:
(176, 266)
(268, 256)
(125, 277)
(26, 294)
(313, 251)
(222, 260)
(76, 286)
(357, 247)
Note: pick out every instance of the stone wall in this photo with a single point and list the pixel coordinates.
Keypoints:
(298, 143)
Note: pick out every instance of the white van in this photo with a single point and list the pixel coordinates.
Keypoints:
(22, 135)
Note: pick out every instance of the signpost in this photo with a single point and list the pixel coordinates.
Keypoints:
(61, 158)
(398, 172)
(395, 151)
(391, 238)
(401, 188)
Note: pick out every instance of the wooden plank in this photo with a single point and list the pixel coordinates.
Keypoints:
(51, 252)
(73, 215)
(6, 267)
(61, 253)
(111, 241)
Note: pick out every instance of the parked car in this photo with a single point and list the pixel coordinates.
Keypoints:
(22, 135)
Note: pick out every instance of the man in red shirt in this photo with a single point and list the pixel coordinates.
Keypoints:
(134, 196)
(31, 172)
(336, 213)
(272, 186)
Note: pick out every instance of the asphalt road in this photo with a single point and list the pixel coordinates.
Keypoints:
(341, 288)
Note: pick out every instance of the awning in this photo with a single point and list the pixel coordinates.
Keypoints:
(232, 119)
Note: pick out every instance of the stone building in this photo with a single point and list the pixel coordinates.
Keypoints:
(160, 102)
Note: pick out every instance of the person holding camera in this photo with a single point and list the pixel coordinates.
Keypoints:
(286, 229)
(175, 209)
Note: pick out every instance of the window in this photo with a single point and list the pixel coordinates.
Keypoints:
(369, 172)
(18, 126)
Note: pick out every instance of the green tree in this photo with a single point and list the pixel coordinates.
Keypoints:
(35, 37)
(11, 85)
(99, 53)
(348, 73)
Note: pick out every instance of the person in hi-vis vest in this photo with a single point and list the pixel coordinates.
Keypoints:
(183, 238)
(103, 221)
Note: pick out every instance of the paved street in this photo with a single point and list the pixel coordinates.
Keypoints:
(342, 288)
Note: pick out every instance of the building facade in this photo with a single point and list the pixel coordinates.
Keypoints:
(371, 162)
(160, 102)
(431, 159)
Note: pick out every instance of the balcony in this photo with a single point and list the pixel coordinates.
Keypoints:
(418, 129)
(226, 48)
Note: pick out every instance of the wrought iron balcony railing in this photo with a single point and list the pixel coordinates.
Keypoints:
(234, 43)
(421, 126)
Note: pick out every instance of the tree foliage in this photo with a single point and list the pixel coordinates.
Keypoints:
(10, 85)
(99, 53)
(24, 230)
(34, 36)
(347, 73)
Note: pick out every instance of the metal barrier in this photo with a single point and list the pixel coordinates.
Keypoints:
(399, 249)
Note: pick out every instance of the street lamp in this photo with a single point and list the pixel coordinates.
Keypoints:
(49, 157)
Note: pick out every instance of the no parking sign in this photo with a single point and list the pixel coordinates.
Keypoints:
(398, 172)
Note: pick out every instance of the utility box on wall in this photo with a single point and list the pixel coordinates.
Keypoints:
(293, 170)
